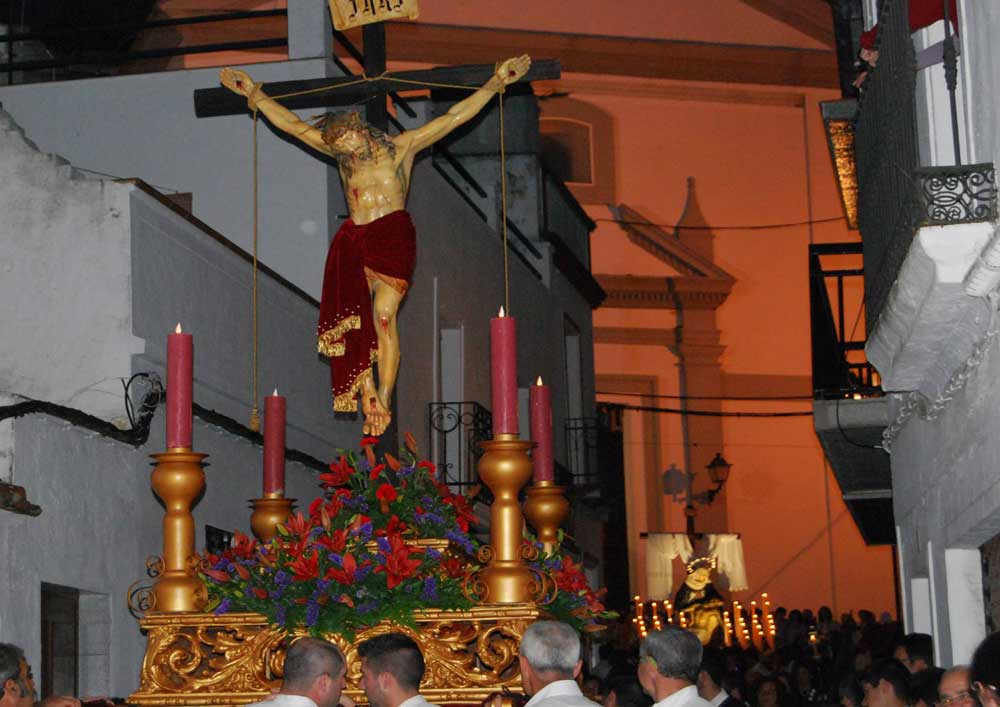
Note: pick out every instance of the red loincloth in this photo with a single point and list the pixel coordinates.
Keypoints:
(387, 247)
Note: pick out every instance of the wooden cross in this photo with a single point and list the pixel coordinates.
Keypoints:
(210, 102)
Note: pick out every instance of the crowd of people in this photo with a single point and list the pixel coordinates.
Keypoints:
(814, 662)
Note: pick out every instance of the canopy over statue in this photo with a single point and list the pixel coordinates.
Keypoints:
(370, 262)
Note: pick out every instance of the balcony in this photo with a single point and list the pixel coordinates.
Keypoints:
(898, 199)
(455, 431)
(849, 410)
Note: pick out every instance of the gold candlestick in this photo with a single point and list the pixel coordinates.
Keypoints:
(546, 508)
(268, 512)
(506, 579)
(178, 479)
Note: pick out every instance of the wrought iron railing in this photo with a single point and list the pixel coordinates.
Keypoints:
(594, 464)
(839, 366)
(583, 436)
(950, 195)
(456, 429)
(886, 153)
(896, 196)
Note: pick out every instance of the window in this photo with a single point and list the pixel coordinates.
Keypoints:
(577, 145)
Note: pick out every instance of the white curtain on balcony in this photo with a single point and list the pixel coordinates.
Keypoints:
(661, 549)
(727, 549)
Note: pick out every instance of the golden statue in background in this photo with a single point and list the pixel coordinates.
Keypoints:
(370, 262)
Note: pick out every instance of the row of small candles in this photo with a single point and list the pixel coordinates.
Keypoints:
(743, 626)
(503, 355)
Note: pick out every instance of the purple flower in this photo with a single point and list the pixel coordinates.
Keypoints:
(336, 559)
(365, 531)
(383, 545)
(222, 564)
(430, 589)
(248, 591)
(426, 501)
(279, 615)
(312, 613)
(322, 585)
(275, 595)
(367, 607)
(282, 579)
(362, 572)
(431, 518)
(223, 607)
(460, 539)
(433, 554)
(405, 471)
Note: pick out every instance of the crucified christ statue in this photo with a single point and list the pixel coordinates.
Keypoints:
(370, 262)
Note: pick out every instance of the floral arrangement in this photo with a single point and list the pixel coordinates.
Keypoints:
(355, 558)
(346, 564)
(576, 602)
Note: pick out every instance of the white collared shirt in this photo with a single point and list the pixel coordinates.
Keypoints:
(685, 697)
(282, 700)
(560, 693)
(719, 699)
(415, 701)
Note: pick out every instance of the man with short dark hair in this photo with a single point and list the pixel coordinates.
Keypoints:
(314, 675)
(886, 685)
(392, 667)
(18, 684)
(550, 662)
(669, 663)
(713, 670)
(915, 652)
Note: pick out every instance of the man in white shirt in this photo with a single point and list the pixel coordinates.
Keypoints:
(392, 667)
(550, 662)
(669, 662)
(314, 676)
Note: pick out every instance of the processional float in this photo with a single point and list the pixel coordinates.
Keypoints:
(200, 657)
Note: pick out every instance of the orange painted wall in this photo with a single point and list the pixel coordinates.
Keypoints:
(750, 166)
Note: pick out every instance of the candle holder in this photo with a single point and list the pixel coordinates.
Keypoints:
(178, 479)
(268, 512)
(546, 507)
(506, 579)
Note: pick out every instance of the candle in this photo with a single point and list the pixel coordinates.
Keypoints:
(180, 376)
(503, 369)
(274, 445)
(540, 397)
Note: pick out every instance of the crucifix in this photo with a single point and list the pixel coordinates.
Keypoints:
(370, 262)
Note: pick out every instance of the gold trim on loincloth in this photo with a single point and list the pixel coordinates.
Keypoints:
(329, 342)
(348, 400)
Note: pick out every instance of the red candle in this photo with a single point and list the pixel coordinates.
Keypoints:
(180, 376)
(541, 431)
(503, 369)
(274, 444)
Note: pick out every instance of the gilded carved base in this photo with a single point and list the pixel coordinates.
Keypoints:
(235, 659)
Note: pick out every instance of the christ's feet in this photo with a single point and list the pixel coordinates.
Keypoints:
(377, 417)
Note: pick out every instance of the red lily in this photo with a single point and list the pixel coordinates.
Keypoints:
(340, 473)
(299, 525)
(305, 568)
(217, 574)
(376, 471)
(429, 466)
(334, 542)
(243, 546)
(344, 575)
(398, 565)
(394, 527)
(392, 462)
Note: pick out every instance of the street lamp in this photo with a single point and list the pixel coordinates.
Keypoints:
(718, 472)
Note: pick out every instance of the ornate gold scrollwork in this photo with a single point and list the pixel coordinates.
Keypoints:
(234, 659)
